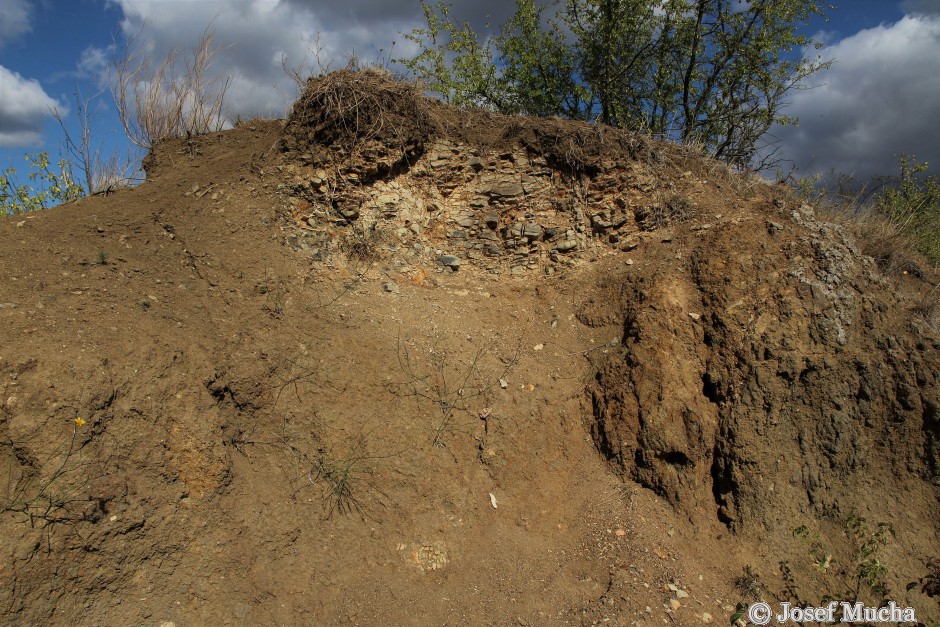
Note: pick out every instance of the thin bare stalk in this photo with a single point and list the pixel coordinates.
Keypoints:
(173, 99)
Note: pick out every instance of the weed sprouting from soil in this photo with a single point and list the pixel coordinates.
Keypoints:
(45, 492)
(448, 387)
(344, 475)
(862, 578)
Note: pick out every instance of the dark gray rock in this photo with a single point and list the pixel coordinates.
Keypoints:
(450, 261)
(349, 212)
(532, 232)
(600, 222)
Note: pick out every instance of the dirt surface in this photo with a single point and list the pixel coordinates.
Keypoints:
(271, 386)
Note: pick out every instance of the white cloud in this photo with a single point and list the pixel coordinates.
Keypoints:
(880, 98)
(14, 20)
(95, 61)
(24, 108)
(254, 35)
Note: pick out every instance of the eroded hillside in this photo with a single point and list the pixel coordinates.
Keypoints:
(392, 362)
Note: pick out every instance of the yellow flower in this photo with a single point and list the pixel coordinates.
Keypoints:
(79, 421)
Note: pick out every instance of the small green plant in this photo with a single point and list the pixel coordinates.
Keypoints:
(817, 552)
(929, 583)
(868, 571)
(861, 579)
(46, 187)
(913, 203)
(102, 258)
(808, 189)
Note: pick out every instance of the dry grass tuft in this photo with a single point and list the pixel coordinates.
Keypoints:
(369, 113)
(173, 99)
(350, 109)
(879, 237)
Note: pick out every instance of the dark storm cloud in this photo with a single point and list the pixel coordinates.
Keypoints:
(880, 98)
(924, 7)
(380, 14)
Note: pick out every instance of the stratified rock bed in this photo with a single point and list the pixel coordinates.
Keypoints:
(505, 193)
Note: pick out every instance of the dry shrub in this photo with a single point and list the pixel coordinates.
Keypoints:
(173, 99)
(893, 250)
(671, 207)
(100, 173)
(364, 243)
(369, 113)
(928, 308)
(351, 109)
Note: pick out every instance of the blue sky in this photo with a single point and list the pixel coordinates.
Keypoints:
(880, 98)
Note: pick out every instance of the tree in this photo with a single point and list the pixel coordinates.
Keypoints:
(712, 72)
(46, 187)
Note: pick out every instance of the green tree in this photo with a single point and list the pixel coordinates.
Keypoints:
(45, 188)
(713, 72)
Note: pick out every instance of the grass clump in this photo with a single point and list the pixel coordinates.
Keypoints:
(913, 203)
(896, 219)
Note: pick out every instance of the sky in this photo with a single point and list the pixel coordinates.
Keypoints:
(880, 98)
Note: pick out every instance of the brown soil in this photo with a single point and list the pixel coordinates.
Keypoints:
(307, 401)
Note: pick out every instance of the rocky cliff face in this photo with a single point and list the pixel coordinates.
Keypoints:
(502, 193)
(557, 373)
(767, 371)
(770, 376)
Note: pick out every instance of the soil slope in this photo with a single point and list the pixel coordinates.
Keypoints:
(389, 362)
